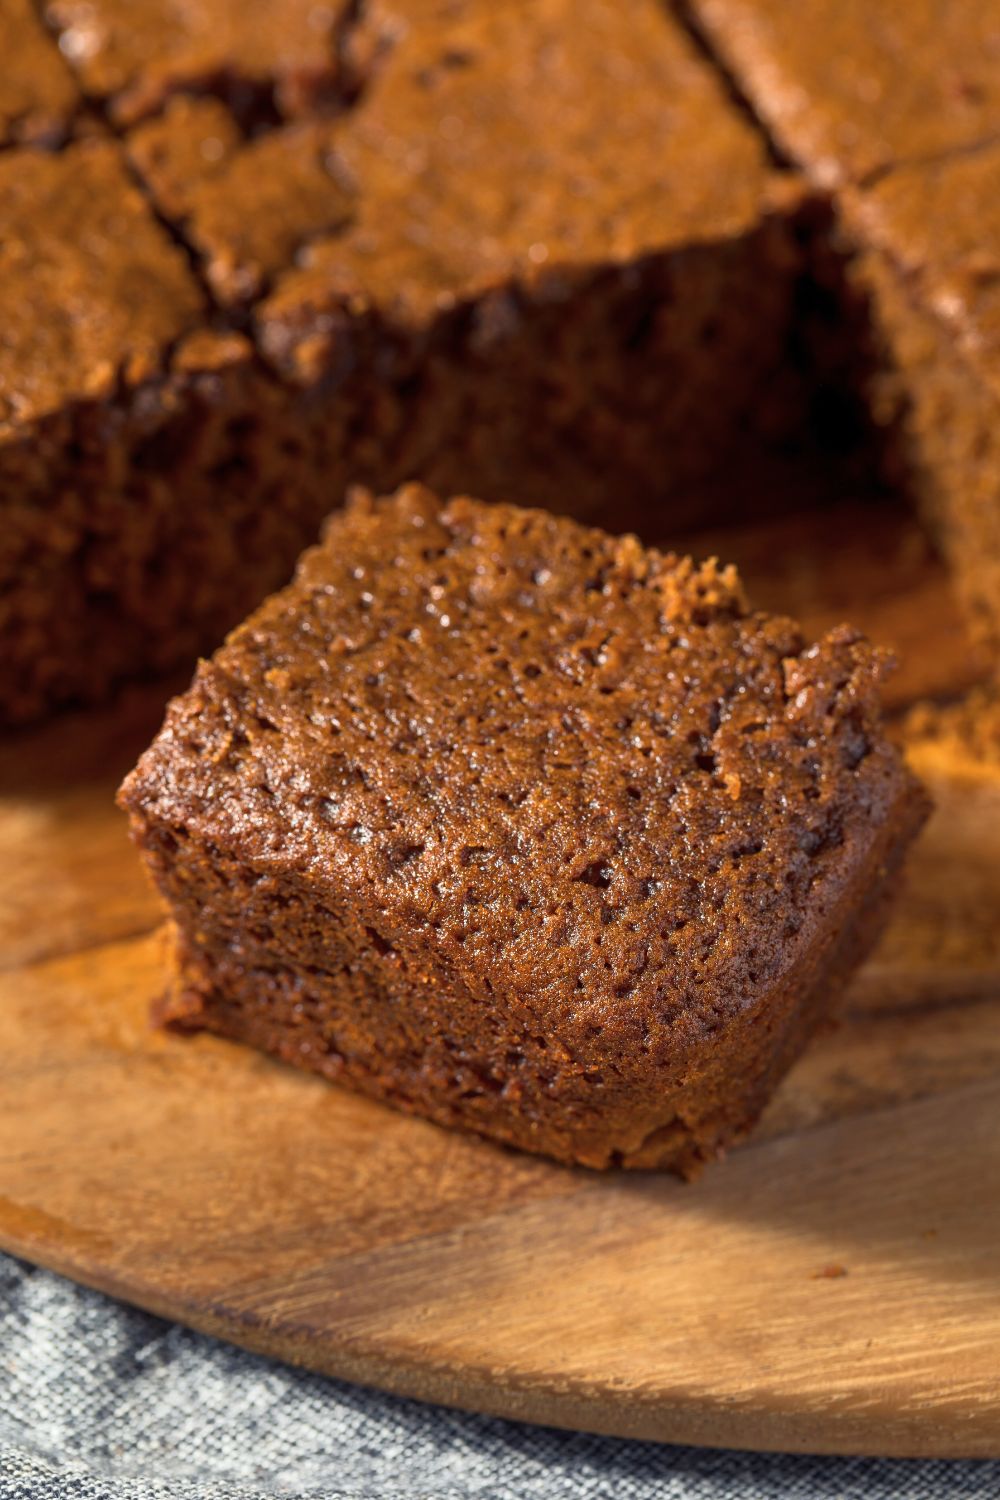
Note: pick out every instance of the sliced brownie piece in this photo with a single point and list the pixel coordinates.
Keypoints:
(38, 97)
(929, 260)
(850, 88)
(568, 259)
(518, 826)
(265, 58)
(149, 470)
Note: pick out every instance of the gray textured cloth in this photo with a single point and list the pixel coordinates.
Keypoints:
(101, 1402)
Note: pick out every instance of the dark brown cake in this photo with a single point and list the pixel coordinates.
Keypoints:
(150, 471)
(896, 107)
(426, 239)
(521, 286)
(526, 829)
(930, 264)
(852, 87)
(486, 273)
(568, 257)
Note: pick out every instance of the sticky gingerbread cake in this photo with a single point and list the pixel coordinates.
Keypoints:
(513, 281)
(927, 253)
(151, 471)
(521, 827)
(552, 252)
(569, 251)
(483, 270)
(896, 111)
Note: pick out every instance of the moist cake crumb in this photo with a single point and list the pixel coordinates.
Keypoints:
(525, 828)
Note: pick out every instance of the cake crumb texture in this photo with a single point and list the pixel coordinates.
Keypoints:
(526, 828)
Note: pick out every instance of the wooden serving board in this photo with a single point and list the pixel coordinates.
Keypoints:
(833, 1286)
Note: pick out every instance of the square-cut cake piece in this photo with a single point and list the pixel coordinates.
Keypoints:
(266, 59)
(927, 257)
(521, 827)
(850, 87)
(518, 286)
(567, 257)
(150, 476)
(896, 107)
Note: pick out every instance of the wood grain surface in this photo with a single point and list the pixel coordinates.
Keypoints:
(833, 1286)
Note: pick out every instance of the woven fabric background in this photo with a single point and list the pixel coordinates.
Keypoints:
(101, 1402)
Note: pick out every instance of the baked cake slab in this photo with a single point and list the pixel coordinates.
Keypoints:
(524, 828)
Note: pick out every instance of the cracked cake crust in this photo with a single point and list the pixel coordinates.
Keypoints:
(629, 316)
